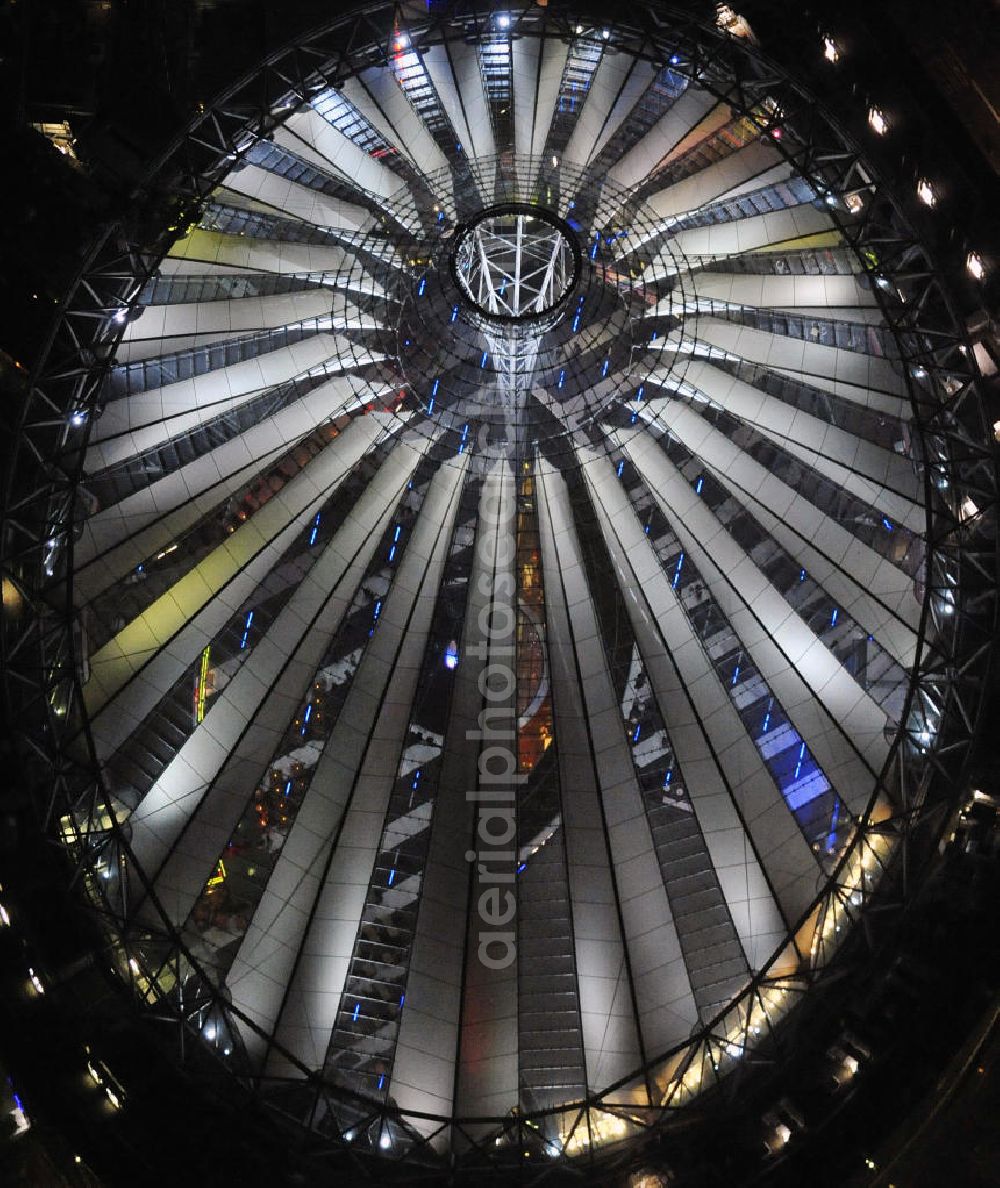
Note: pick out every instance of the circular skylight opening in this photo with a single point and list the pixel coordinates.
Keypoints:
(516, 262)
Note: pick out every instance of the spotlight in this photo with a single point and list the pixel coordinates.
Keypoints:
(877, 121)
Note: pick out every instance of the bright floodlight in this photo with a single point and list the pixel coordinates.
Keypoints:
(877, 121)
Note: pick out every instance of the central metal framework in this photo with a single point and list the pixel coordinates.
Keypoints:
(516, 262)
(926, 767)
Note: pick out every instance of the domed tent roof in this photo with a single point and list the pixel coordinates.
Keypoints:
(510, 580)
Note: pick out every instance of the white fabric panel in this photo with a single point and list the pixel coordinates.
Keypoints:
(423, 1075)
(745, 235)
(857, 465)
(748, 165)
(525, 52)
(148, 419)
(358, 770)
(666, 1006)
(435, 60)
(159, 414)
(178, 266)
(675, 344)
(262, 255)
(880, 402)
(488, 1049)
(840, 724)
(789, 292)
(699, 303)
(308, 134)
(722, 769)
(610, 1040)
(638, 78)
(718, 116)
(873, 590)
(132, 671)
(554, 55)
(345, 315)
(393, 115)
(187, 817)
(803, 358)
(348, 279)
(894, 634)
(684, 113)
(778, 172)
(292, 200)
(229, 315)
(454, 70)
(124, 555)
(119, 537)
(867, 315)
(340, 212)
(604, 86)
(229, 196)
(165, 329)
